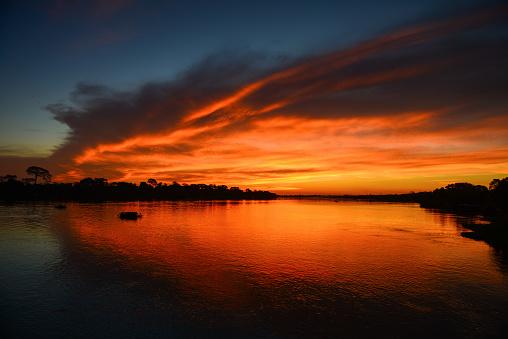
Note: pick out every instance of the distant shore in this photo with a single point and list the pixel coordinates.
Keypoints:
(469, 201)
(463, 199)
(99, 190)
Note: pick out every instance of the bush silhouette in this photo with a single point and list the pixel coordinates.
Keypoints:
(39, 172)
(99, 189)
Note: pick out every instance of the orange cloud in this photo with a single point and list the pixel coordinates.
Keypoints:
(285, 152)
(398, 112)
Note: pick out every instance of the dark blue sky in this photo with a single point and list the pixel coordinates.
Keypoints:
(50, 46)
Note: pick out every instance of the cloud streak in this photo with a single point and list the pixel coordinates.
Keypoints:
(413, 104)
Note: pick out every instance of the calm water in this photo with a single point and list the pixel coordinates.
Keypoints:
(249, 269)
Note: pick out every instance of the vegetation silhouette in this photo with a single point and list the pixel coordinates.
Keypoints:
(464, 198)
(39, 172)
(99, 189)
(482, 211)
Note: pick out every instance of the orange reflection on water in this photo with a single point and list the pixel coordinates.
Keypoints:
(224, 249)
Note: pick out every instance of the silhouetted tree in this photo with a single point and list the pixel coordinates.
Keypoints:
(39, 172)
(100, 181)
(499, 191)
(462, 193)
(152, 182)
(98, 189)
(498, 184)
(86, 182)
(8, 177)
(94, 182)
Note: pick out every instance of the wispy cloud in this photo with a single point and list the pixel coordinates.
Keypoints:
(413, 103)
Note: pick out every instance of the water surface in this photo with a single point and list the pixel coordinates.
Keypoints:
(285, 268)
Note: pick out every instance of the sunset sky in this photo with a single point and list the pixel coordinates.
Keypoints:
(294, 97)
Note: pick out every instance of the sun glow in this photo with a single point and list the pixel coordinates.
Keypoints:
(348, 121)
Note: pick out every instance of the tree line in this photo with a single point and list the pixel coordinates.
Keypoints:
(469, 197)
(456, 197)
(464, 197)
(40, 187)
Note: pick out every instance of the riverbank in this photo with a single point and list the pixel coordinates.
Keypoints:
(100, 190)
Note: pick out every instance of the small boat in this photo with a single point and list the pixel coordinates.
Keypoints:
(60, 206)
(129, 215)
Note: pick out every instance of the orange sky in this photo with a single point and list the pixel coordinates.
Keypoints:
(409, 110)
(380, 154)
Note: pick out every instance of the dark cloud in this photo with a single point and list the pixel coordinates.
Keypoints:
(100, 115)
(456, 67)
(469, 76)
(449, 74)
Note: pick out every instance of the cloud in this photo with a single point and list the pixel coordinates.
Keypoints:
(406, 103)
(19, 150)
(103, 115)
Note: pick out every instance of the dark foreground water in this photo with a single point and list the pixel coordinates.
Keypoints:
(246, 269)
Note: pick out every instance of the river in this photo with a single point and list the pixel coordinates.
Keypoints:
(248, 269)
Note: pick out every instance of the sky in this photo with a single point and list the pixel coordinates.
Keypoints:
(325, 97)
